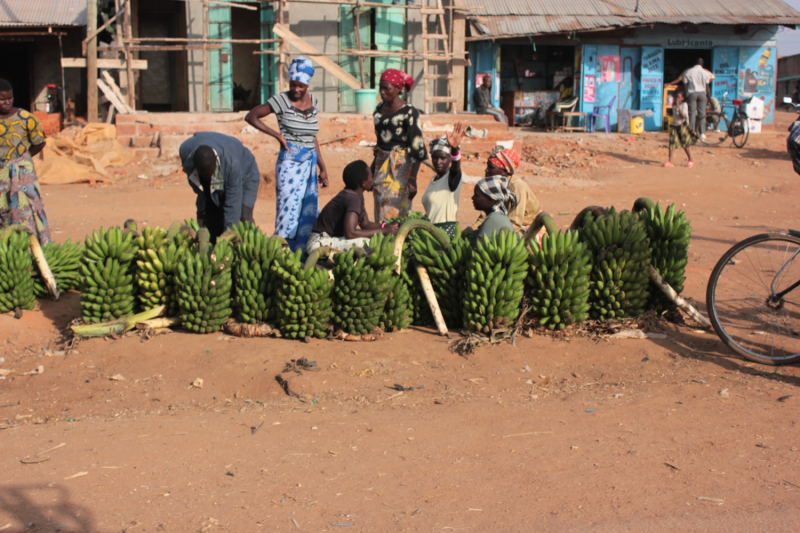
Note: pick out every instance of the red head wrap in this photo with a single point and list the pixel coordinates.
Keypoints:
(506, 159)
(398, 78)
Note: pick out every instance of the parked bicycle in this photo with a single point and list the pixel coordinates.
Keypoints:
(719, 127)
(752, 297)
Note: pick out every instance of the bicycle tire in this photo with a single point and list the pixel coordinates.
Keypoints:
(713, 136)
(741, 125)
(727, 305)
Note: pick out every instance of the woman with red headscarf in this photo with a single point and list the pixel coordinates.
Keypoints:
(400, 150)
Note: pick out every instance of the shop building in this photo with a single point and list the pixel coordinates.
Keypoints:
(788, 76)
(624, 53)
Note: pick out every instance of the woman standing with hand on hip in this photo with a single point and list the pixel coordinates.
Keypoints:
(400, 150)
(296, 169)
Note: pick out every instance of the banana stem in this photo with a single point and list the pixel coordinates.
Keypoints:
(311, 260)
(118, 326)
(189, 230)
(543, 219)
(427, 288)
(656, 278)
(643, 203)
(230, 236)
(204, 241)
(416, 223)
(595, 209)
(44, 268)
(174, 229)
(157, 323)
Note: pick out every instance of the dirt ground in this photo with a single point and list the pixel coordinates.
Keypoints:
(548, 435)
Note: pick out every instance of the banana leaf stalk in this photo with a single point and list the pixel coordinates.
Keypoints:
(543, 219)
(159, 323)
(427, 288)
(656, 278)
(415, 223)
(44, 268)
(118, 326)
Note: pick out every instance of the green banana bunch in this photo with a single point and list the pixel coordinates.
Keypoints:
(559, 279)
(16, 267)
(159, 253)
(64, 261)
(204, 282)
(418, 308)
(397, 311)
(303, 295)
(447, 270)
(494, 282)
(192, 223)
(621, 261)
(362, 285)
(107, 272)
(256, 283)
(669, 234)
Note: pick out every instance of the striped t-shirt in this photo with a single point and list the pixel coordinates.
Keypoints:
(297, 127)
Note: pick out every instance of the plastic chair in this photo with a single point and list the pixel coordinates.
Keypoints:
(606, 115)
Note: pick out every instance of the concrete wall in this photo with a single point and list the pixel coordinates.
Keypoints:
(194, 30)
(318, 25)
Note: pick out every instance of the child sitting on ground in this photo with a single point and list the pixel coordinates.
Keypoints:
(343, 223)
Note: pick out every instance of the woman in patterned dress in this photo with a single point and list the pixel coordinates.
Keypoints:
(400, 150)
(21, 138)
(296, 169)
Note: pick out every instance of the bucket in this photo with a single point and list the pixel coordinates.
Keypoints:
(366, 100)
(637, 125)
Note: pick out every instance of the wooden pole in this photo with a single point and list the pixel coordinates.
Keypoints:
(206, 92)
(91, 62)
(357, 10)
(284, 50)
(129, 56)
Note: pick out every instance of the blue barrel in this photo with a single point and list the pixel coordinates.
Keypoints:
(366, 100)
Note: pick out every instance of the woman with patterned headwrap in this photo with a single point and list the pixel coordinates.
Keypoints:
(504, 162)
(21, 138)
(400, 148)
(441, 197)
(295, 171)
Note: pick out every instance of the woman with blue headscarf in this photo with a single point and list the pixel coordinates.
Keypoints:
(296, 169)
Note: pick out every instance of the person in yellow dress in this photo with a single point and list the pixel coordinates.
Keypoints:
(21, 138)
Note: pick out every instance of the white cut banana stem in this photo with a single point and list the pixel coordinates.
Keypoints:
(656, 278)
(44, 268)
(158, 323)
(427, 288)
(118, 326)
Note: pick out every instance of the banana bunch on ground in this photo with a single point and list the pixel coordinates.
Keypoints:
(159, 253)
(669, 234)
(16, 266)
(204, 281)
(397, 311)
(256, 283)
(559, 278)
(107, 271)
(303, 295)
(362, 285)
(418, 308)
(494, 282)
(447, 269)
(621, 261)
(64, 261)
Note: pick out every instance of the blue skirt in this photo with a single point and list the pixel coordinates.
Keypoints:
(297, 195)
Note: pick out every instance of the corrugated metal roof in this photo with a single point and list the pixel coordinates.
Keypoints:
(42, 12)
(498, 18)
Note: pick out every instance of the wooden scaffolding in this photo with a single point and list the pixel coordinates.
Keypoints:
(442, 50)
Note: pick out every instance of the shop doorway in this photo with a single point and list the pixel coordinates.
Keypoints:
(524, 67)
(246, 65)
(163, 86)
(677, 60)
(15, 68)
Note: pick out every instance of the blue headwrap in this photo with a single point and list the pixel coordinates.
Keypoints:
(301, 70)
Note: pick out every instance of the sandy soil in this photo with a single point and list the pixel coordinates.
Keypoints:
(548, 435)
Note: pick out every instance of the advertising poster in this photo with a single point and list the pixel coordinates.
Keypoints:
(756, 78)
(588, 89)
(610, 68)
(652, 85)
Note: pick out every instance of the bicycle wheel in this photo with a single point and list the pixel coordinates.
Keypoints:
(714, 124)
(740, 131)
(741, 301)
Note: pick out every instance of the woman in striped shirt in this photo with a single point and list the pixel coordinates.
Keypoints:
(296, 169)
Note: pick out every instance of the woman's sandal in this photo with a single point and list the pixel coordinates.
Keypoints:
(690, 164)
(667, 164)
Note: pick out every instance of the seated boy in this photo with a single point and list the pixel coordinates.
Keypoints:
(343, 223)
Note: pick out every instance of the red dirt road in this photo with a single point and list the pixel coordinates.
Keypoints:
(571, 435)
